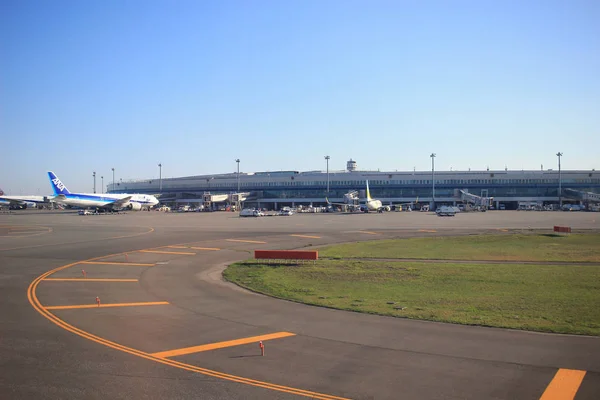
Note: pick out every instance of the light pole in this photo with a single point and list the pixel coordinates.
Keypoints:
(160, 177)
(237, 160)
(102, 178)
(113, 185)
(327, 159)
(94, 175)
(559, 155)
(432, 179)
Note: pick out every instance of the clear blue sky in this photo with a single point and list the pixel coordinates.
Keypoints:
(90, 85)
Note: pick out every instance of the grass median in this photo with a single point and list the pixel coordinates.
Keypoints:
(538, 297)
(518, 247)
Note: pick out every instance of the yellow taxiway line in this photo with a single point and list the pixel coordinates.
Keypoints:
(221, 345)
(195, 248)
(428, 230)
(370, 233)
(307, 236)
(117, 263)
(90, 280)
(168, 252)
(245, 241)
(564, 386)
(150, 303)
(35, 303)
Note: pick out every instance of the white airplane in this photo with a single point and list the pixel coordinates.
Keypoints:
(113, 202)
(23, 202)
(369, 205)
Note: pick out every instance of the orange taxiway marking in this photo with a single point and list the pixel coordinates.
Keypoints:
(35, 303)
(151, 303)
(245, 241)
(117, 263)
(168, 252)
(90, 280)
(428, 230)
(220, 345)
(370, 233)
(564, 385)
(195, 248)
(307, 236)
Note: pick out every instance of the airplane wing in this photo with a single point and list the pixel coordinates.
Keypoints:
(119, 203)
(26, 199)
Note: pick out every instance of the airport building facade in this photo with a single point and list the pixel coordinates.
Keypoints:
(275, 189)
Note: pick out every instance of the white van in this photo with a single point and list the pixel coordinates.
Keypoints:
(446, 211)
(250, 212)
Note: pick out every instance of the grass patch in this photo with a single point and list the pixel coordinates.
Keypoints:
(564, 299)
(535, 247)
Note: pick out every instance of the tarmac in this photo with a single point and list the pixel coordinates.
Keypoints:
(167, 326)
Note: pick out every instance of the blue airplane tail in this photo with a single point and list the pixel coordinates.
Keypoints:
(57, 185)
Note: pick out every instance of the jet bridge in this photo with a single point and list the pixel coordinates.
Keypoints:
(586, 197)
(478, 203)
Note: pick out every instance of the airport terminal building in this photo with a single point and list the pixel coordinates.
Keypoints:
(276, 189)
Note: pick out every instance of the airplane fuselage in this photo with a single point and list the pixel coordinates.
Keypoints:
(137, 201)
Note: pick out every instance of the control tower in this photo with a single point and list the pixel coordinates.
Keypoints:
(351, 165)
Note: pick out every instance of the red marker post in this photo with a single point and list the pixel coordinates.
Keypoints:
(262, 348)
(84, 274)
(98, 301)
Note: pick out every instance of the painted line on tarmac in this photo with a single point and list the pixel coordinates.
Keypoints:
(245, 241)
(89, 280)
(307, 236)
(370, 233)
(428, 230)
(168, 252)
(195, 248)
(221, 345)
(564, 385)
(117, 263)
(150, 303)
(75, 242)
(35, 303)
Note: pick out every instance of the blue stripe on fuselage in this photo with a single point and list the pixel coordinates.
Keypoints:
(107, 200)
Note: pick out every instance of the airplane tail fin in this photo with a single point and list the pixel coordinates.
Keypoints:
(1, 192)
(57, 185)
(368, 192)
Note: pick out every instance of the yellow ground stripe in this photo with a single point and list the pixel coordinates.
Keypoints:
(168, 252)
(195, 248)
(245, 241)
(564, 385)
(117, 263)
(220, 345)
(90, 280)
(24, 228)
(428, 230)
(35, 303)
(307, 236)
(151, 303)
(370, 233)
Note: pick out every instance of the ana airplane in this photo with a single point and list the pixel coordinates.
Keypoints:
(113, 202)
(369, 205)
(22, 202)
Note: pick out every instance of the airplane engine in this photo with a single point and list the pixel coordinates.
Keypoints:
(134, 206)
(387, 208)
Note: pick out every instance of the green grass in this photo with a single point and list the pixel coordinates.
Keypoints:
(575, 247)
(563, 299)
(548, 298)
